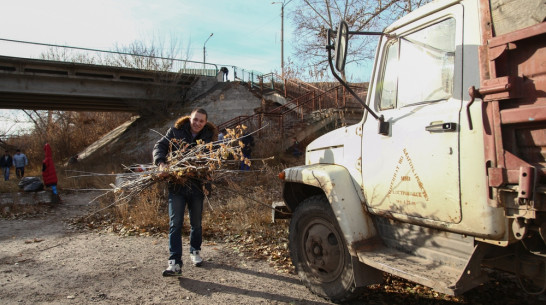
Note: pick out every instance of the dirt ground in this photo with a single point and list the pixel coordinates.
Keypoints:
(46, 260)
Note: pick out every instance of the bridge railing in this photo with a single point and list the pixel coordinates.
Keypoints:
(34, 50)
(251, 77)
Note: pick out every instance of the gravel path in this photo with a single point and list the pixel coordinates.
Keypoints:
(44, 260)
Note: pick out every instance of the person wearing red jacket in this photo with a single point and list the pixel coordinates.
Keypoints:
(48, 171)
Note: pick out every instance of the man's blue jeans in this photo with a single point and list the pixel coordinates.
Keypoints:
(6, 173)
(181, 196)
(20, 171)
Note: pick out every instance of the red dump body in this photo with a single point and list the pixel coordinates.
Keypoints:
(513, 88)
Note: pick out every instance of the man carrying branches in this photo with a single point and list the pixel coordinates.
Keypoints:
(186, 133)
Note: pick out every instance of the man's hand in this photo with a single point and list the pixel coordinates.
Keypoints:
(163, 170)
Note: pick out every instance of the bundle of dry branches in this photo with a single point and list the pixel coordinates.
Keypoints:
(202, 161)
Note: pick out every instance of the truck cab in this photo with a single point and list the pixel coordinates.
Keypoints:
(445, 172)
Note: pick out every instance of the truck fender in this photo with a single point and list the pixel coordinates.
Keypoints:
(337, 185)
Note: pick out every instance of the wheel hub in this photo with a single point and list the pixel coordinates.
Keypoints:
(323, 250)
(317, 250)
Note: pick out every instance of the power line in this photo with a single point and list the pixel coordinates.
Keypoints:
(93, 50)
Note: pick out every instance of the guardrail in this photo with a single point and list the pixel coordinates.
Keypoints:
(34, 50)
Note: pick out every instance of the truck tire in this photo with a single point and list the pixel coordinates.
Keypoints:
(319, 252)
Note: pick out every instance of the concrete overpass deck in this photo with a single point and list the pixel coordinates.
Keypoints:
(53, 85)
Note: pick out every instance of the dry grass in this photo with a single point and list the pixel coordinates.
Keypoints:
(146, 212)
(87, 177)
(238, 212)
(9, 186)
(237, 203)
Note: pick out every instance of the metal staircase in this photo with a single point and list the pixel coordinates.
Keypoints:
(308, 109)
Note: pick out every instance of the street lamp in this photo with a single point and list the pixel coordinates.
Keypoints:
(204, 49)
(283, 4)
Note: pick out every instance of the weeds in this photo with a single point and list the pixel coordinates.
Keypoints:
(240, 214)
(146, 212)
(238, 211)
(9, 186)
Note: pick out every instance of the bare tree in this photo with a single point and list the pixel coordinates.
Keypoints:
(155, 54)
(68, 131)
(313, 18)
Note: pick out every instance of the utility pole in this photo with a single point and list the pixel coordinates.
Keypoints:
(282, 41)
(205, 51)
(283, 4)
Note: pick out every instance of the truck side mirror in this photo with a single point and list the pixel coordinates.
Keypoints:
(341, 45)
(340, 49)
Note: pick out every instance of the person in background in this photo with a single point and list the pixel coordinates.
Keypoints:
(183, 135)
(73, 159)
(48, 172)
(225, 73)
(248, 142)
(222, 134)
(295, 148)
(19, 162)
(5, 163)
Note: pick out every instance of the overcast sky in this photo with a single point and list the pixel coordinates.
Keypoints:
(246, 32)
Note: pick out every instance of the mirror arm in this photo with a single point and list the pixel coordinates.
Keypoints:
(383, 126)
(368, 33)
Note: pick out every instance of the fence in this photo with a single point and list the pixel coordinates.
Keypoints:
(33, 50)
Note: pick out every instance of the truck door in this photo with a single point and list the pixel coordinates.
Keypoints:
(414, 171)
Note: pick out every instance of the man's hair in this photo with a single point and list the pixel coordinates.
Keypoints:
(18, 150)
(202, 111)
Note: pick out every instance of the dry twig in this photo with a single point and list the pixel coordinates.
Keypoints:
(201, 162)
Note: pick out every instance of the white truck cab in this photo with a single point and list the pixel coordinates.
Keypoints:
(445, 173)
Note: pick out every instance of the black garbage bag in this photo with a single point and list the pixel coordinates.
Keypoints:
(34, 186)
(31, 184)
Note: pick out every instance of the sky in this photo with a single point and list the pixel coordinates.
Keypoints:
(246, 33)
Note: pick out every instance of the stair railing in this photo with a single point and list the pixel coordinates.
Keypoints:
(298, 107)
(306, 98)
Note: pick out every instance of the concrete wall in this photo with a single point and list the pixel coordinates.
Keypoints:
(202, 85)
(226, 101)
(223, 102)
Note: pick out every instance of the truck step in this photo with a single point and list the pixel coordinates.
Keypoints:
(442, 278)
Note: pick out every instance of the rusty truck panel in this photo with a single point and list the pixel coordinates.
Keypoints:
(513, 89)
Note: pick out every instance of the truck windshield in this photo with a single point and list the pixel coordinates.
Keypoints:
(419, 67)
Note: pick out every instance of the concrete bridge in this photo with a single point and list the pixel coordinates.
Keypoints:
(54, 85)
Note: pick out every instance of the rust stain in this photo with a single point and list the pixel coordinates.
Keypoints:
(368, 244)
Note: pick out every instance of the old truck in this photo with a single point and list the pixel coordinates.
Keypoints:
(444, 178)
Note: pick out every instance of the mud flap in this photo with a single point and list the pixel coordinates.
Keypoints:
(365, 275)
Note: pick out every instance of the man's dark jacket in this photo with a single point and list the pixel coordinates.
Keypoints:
(181, 131)
(4, 162)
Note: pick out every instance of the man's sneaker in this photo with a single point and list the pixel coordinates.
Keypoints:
(173, 269)
(196, 259)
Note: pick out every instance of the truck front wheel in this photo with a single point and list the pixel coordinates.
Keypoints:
(319, 253)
